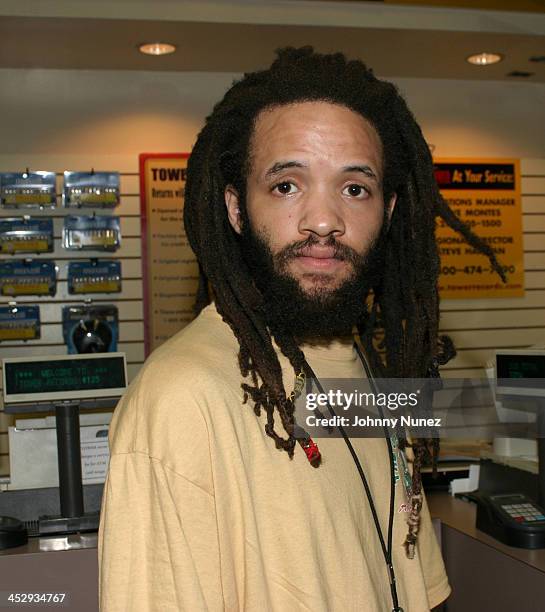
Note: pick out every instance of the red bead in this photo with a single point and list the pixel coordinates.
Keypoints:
(311, 450)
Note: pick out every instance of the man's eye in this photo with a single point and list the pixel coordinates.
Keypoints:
(285, 188)
(355, 191)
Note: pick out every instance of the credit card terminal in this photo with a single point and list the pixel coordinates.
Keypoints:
(513, 519)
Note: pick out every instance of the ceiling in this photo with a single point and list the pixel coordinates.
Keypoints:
(433, 45)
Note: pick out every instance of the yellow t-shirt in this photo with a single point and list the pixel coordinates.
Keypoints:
(201, 511)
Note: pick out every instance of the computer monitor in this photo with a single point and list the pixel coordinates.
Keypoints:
(521, 372)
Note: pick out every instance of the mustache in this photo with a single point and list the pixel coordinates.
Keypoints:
(341, 251)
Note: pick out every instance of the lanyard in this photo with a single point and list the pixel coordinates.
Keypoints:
(385, 546)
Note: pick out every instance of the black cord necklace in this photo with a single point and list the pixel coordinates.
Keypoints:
(385, 546)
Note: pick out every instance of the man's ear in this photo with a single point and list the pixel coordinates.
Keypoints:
(390, 207)
(233, 207)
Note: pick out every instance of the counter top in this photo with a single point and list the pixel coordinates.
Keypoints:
(78, 541)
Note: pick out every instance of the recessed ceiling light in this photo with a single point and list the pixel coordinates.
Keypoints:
(484, 59)
(157, 48)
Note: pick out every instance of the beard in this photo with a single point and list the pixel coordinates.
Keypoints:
(321, 312)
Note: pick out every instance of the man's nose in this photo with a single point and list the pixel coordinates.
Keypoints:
(321, 215)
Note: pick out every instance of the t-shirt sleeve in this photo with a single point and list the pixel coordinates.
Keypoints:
(431, 559)
(158, 544)
(433, 567)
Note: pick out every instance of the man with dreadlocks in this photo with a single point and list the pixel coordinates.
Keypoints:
(310, 204)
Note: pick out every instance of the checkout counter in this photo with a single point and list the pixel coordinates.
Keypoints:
(66, 566)
(485, 574)
(48, 555)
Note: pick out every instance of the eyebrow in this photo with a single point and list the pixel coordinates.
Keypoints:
(280, 166)
(363, 169)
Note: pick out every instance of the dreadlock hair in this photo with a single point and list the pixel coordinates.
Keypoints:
(404, 305)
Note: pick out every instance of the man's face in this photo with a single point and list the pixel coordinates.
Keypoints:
(314, 194)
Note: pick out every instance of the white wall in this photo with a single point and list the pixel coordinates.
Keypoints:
(479, 118)
(101, 112)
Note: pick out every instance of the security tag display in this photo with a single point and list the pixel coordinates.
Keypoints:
(26, 235)
(95, 276)
(19, 323)
(90, 328)
(28, 277)
(28, 190)
(91, 189)
(92, 233)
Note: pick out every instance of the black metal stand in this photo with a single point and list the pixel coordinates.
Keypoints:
(72, 518)
(69, 460)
